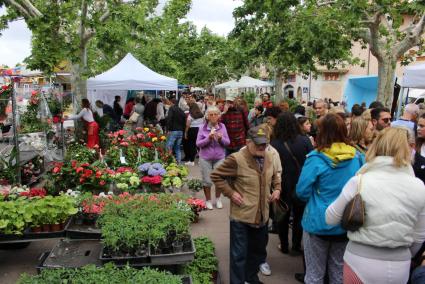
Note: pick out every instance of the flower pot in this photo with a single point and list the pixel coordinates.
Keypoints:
(55, 227)
(36, 229)
(45, 228)
(177, 247)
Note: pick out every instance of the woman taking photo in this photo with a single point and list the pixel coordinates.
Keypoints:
(394, 226)
(293, 149)
(92, 128)
(325, 172)
(194, 121)
(212, 141)
(361, 134)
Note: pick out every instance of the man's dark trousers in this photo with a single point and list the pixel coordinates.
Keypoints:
(247, 247)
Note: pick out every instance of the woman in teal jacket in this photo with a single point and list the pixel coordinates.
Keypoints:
(323, 176)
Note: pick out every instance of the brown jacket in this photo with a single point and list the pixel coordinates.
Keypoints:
(240, 173)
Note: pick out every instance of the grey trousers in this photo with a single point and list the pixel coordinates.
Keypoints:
(321, 256)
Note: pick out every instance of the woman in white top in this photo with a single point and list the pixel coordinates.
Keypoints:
(394, 227)
(92, 127)
(194, 121)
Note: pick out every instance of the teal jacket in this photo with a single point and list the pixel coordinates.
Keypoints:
(320, 183)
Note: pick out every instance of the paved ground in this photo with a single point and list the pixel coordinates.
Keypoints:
(213, 223)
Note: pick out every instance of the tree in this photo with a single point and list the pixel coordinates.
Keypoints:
(65, 30)
(391, 28)
(283, 35)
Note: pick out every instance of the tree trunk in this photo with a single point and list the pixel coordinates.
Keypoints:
(279, 84)
(386, 73)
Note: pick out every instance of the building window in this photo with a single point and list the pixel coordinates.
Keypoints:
(331, 76)
(291, 79)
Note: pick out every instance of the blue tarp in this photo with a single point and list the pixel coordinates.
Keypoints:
(361, 89)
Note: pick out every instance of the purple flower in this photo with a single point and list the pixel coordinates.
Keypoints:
(157, 166)
(144, 167)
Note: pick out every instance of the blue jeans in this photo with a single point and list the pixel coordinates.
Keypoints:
(174, 142)
(247, 247)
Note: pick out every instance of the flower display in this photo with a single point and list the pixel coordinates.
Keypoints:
(196, 204)
(175, 176)
(10, 193)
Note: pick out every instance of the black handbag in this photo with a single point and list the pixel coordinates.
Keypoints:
(280, 209)
(354, 214)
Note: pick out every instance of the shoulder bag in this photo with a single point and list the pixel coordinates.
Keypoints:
(134, 117)
(354, 213)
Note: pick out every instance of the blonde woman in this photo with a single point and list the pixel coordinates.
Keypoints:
(394, 228)
(361, 133)
(211, 141)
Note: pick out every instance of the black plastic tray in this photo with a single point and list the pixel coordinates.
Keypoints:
(173, 258)
(137, 260)
(73, 254)
(82, 232)
(186, 279)
(32, 236)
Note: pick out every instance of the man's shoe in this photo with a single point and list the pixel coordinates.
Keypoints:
(299, 277)
(265, 269)
(218, 204)
(284, 250)
(209, 205)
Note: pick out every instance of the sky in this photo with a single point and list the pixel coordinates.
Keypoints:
(15, 42)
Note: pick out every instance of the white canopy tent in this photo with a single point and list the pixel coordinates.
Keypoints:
(128, 74)
(244, 82)
(413, 77)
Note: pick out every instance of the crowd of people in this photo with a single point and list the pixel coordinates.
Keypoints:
(310, 160)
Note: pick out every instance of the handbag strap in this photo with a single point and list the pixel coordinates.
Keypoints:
(292, 156)
(359, 184)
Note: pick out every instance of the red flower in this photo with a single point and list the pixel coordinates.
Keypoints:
(125, 144)
(85, 165)
(56, 119)
(82, 180)
(147, 144)
(79, 169)
(87, 173)
(102, 182)
(56, 170)
(152, 180)
(5, 87)
(151, 135)
(73, 163)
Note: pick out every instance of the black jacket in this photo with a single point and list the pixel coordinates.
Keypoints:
(118, 110)
(299, 147)
(419, 166)
(176, 119)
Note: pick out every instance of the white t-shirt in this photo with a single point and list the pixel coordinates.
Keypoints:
(85, 113)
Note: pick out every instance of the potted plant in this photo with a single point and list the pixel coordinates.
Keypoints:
(174, 177)
(152, 174)
(203, 268)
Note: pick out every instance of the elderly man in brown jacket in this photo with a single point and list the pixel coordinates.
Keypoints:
(251, 180)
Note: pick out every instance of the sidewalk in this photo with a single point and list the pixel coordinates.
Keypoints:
(215, 225)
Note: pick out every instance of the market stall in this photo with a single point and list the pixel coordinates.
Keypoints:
(413, 77)
(246, 83)
(128, 74)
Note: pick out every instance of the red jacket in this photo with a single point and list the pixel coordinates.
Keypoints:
(237, 126)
